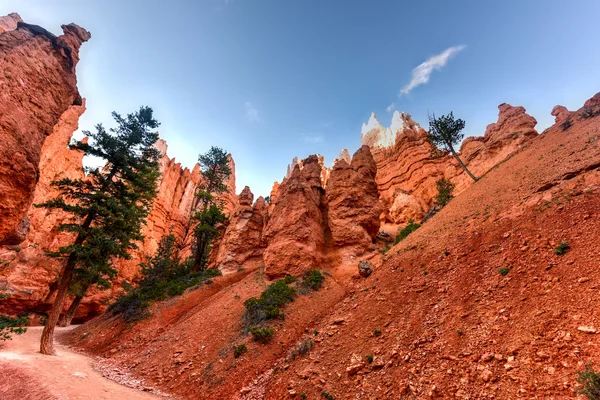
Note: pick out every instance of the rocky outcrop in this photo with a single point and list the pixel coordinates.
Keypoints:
(243, 238)
(407, 174)
(514, 128)
(560, 114)
(296, 230)
(9, 22)
(28, 274)
(37, 85)
(353, 201)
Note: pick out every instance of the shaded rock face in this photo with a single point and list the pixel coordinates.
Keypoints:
(407, 174)
(37, 85)
(296, 230)
(28, 274)
(243, 238)
(353, 200)
(171, 210)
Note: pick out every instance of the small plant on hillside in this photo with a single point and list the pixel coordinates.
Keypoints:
(444, 194)
(590, 384)
(267, 306)
(590, 112)
(503, 271)
(377, 332)
(567, 123)
(327, 395)
(303, 348)
(12, 326)
(369, 358)
(239, 350)
(262, 335)
(407, 230)
(459, 332)
(313, 279)
(303, 396)
(561, 248)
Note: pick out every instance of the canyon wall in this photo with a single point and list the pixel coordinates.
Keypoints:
(407, 174)
(37, 85)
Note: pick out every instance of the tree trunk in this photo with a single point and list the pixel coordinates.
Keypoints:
(65, 319)
(47, 341)
(475, 179)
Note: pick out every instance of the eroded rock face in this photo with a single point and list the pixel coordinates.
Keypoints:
(37, 85)
(296, 230)
(514, 128)
(561, 113)
(9, 22)
(407, 174)
(28, 275)
(353, 201)
(243, 238)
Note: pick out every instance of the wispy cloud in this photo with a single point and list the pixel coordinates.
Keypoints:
(391, 107)
(251, 113)
(313, 138)
(421, 74)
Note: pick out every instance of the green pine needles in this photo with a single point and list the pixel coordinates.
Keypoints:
(108, 206)
(209, 208)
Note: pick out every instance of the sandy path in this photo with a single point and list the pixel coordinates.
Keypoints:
(26, 374)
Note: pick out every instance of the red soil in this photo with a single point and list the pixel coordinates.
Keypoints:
(451, 325)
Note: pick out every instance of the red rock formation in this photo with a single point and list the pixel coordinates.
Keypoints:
(406, 173)
(353, 201)
(243, 239)
(9, 22)
(561, 113)
(514, 128)
(273, 196)
(295, 232)
(28, 274)
(37, 86)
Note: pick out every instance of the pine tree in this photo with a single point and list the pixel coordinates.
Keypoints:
(445, 133)
(108, 206)
(216, 171)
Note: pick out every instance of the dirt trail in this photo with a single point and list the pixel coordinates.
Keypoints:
(26, 374)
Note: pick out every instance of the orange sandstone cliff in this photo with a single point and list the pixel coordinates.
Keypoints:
(37, 85)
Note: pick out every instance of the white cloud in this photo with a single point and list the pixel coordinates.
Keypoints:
(421, 74)
(313, 139)
(391, 107)
(251, 113)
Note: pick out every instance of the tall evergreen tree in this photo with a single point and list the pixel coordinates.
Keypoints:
(209, 213)
(445, 133)
(108, 206)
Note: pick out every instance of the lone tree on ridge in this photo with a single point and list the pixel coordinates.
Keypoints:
(444, 133)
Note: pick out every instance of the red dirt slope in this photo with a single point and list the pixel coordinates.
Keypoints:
(451, 326)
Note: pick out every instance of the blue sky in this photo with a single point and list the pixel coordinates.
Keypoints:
(272, 79)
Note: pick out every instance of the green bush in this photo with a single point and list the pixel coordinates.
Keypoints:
(262, 335)
(163, 276)
(369, 358)
(327, 395)
(503, 271)
(562, 248)
(239, 350)
(377, 332)
(268, 305)
(590, 384)
(313, 279)
(444, 195)
(12, 326)
(407, 230)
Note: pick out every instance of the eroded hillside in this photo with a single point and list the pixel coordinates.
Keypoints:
(474, 304)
